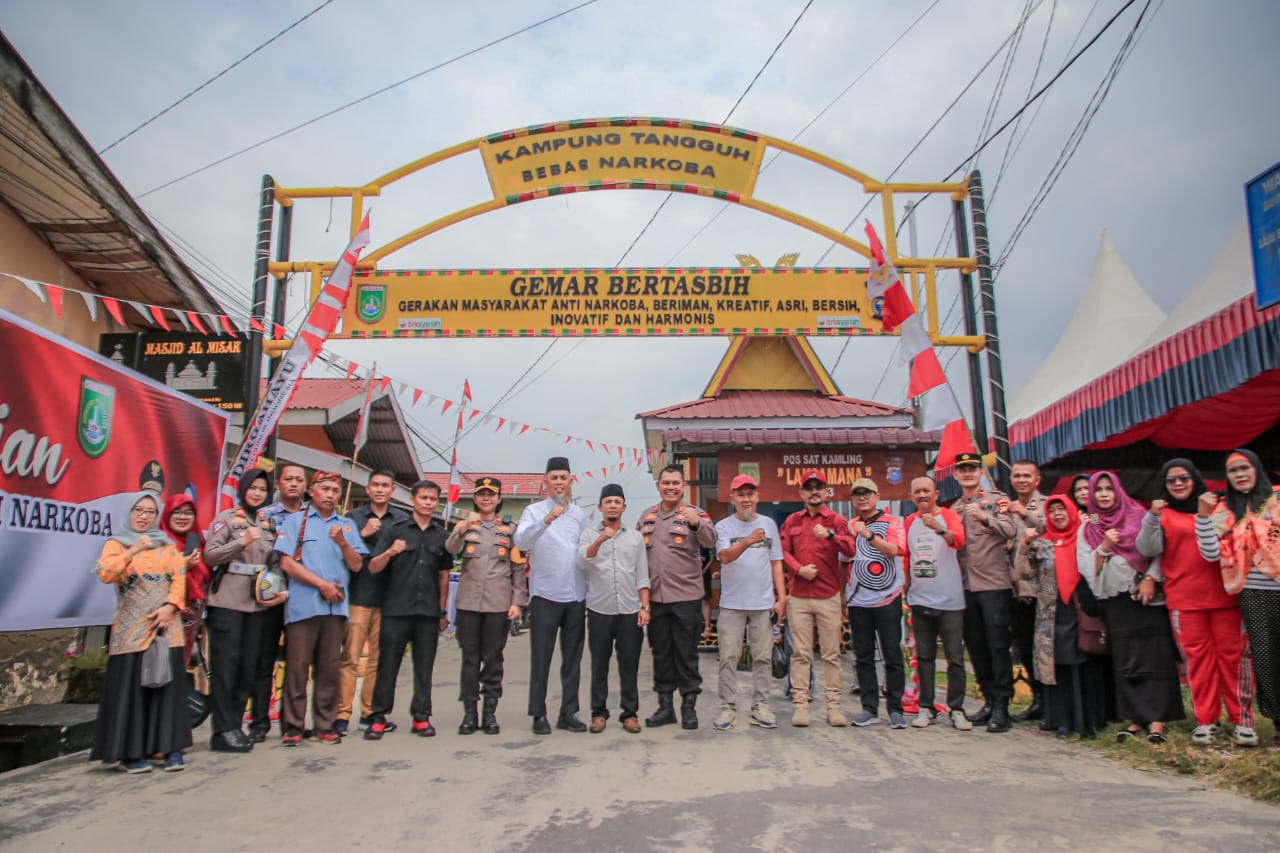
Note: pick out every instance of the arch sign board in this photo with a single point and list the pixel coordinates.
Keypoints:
(585, 155)
(608, 303)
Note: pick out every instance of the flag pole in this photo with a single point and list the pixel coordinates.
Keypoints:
(455, 481)
(362, 434)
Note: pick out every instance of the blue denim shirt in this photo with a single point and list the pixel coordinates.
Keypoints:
(322, 557)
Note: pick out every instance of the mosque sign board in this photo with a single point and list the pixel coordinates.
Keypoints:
(1262, 198)
(209, 368)
(780, 470)
(628, 302)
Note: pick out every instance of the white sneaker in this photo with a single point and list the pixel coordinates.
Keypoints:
(725, 721)
(761, 716)
(1246, 736)
(960, 721)
(923, 720)
(1203, 735)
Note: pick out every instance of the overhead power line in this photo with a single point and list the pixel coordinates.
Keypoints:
(360, 100)
(215, 77)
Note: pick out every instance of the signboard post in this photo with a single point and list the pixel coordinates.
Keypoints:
(1262, 198)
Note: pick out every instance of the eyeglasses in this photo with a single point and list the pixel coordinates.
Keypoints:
(184, 513)
(1178, 478)
(146, 513)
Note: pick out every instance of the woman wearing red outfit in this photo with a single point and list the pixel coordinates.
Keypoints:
(179, 521)
(1204, 616)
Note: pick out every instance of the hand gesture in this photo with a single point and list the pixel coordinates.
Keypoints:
(143, 543)
(975, 512)
(821, 532)
(474, 520)
(608, 533)
(859, 527)
(1030, 534)
(1208, 501)
(335, 533)
(556, 512)
(755, 537)
(689, 516)
(398, 547)
(1018, 509)
(1157, 506)
(372, 526)
(1002, 505)
(808, 572)
(250, 535)
(930, 521)
(1111, 539)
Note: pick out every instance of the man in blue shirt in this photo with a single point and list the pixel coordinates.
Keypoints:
(318, 551)
(549, 532)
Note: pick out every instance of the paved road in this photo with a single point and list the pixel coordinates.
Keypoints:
(789, 789)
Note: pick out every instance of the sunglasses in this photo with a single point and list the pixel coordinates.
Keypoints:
(1178, 478)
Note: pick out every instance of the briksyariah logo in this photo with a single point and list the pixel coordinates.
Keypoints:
(93, 422)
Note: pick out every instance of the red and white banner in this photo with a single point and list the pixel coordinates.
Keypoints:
(78, 436)
(321, 320)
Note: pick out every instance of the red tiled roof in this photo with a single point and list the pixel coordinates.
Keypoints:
(323, 393)
(773, 404)
(872, 437)
(522, 484)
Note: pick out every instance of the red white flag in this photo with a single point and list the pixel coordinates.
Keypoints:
(362, 426)
(321, 320)
(455, 479)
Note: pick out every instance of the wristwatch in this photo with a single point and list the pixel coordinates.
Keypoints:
(644, 607)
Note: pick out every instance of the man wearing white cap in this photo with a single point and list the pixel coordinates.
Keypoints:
(752, 585)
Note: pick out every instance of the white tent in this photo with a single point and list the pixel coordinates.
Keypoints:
(1113, 320)
(1228, 278)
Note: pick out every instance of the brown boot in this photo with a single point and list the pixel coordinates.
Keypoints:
(800, 715)
(835, 716)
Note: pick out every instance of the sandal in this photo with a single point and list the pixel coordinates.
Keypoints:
(1156, 737)
(1125, 734)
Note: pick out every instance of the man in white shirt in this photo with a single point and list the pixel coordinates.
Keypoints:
(548, 532)
(752, 585)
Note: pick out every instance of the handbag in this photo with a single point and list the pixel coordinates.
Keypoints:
(156, 671)
(1091, 633)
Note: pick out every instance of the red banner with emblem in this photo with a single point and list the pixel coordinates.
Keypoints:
(79, 436)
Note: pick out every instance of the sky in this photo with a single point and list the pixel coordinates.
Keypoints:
(1188, 119)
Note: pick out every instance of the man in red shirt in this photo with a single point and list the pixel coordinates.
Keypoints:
(812, 541)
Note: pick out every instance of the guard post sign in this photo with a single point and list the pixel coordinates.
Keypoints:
(632, 302)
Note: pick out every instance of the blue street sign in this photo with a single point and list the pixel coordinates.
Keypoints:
(1262, 198)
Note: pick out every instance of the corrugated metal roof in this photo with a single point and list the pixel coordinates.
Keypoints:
(770, 404)
(871, 437)
(324, 393)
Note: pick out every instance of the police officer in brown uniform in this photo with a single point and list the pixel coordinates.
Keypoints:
(674, 535)
(492, 591)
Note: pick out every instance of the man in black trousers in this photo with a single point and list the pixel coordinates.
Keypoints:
(411, 550)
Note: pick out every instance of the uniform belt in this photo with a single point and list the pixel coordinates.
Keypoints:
(249, 569)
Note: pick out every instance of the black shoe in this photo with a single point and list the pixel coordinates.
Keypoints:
(490, 718)
(232, 741)
(982, 717)
(688, 713)
(571, 723)
(541, 726)
(470, 722)
(258, 735)
(665, 715)
(999, 719)
(1035, 711)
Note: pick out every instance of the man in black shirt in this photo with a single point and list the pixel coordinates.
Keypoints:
(364, 625)
(412, 554)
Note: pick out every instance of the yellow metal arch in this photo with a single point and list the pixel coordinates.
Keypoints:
(543, 143)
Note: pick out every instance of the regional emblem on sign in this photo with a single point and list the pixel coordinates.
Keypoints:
(371, 302)
(93, 421)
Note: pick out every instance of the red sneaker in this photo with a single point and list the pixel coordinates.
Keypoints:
(375, 731)
(329, 737)
(424, 728)
(293, 737)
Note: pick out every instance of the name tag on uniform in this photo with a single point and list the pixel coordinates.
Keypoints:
(249, 569)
